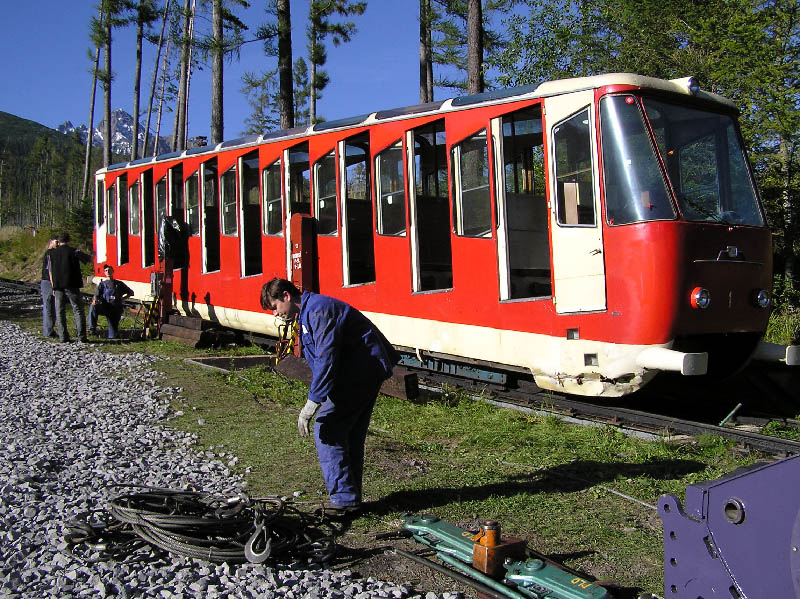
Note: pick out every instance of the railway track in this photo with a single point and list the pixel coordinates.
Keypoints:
(17, 297)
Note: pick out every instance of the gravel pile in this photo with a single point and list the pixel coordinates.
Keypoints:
(74, 422)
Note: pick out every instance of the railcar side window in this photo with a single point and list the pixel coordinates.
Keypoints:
(176, 195)
(299, 192)
(359, 250)
(161, 201)
(111, 201)
(211, 218)
(633, 183)
(250, 202)
(431, 211)
(100, 214)
(193, 203)
(473, 209)
(133, 208)
(574, 186)
(228, 191)
(273, 221)
(390, 191)
(325, 194)
(122, 233)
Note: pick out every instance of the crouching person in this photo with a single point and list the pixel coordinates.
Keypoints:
(349, 359)
(107, 301)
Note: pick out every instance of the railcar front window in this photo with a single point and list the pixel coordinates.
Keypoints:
(706, 164)
(111, 196)
(634, 186)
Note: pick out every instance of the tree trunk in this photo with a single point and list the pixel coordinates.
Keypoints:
(286, 92)
(425, 53)
(107, 97)
(312, 88)
(179, 133)
(474, 48)
(216, 74)
(137, 86)
(788, 214)
(153, 85)
(188, 78)
(161, 98)
(90, 133)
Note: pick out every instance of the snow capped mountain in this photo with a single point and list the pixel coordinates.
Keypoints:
(121, 134)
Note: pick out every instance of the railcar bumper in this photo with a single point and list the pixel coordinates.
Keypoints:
(773, 352)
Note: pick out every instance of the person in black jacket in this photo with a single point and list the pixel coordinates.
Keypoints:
(48, 301)
(66, 279)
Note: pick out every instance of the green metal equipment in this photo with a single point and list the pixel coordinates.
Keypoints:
(501, 564)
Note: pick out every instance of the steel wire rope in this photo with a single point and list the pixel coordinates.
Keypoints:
(205, 526)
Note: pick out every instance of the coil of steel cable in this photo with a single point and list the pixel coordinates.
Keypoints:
(209, 527)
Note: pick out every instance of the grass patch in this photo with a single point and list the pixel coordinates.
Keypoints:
(783, 327)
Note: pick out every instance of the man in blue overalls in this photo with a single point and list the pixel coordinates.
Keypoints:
(349, 359)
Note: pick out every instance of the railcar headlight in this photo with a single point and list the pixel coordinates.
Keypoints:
(700, 298)
(763, 299)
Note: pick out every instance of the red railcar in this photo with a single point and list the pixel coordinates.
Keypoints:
(587, 233)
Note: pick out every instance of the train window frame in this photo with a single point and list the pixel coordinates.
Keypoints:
(160, 214)
(100, 204)
(576, 170)
(268, 203)
(192, 204)
(134, 209)
(225, 179)
(111, 208)
(380, 221)
(357, 210)
(327, 216)
(457, 182)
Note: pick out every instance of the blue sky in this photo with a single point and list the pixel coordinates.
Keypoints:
(46, 69)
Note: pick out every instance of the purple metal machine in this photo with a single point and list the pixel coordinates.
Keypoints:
(738, 537)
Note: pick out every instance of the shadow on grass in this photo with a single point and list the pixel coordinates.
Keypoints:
(565, 478)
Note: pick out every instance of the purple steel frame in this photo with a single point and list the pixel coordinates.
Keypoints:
(738, 536)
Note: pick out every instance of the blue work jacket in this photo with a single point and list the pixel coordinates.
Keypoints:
(341, 346)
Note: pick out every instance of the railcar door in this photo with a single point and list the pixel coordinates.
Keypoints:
(577, 238)
(100, 226)
(298, 192)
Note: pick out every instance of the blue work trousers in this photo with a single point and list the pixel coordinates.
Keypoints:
(48, 308)
(73, 296)
(112, 313)
(340, 433)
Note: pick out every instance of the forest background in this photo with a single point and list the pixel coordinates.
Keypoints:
(746, 50)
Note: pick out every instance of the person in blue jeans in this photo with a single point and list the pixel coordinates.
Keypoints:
(349, 359)
(107, 301)
(48, 300)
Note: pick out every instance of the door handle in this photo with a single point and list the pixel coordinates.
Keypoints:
(595, 252)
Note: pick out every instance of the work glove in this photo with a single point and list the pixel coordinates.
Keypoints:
(306, 414)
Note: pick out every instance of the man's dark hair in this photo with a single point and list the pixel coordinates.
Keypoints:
(274, 289)
(64, 238)
(109, 267)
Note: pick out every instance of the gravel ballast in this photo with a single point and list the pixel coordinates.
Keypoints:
(74, 422)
